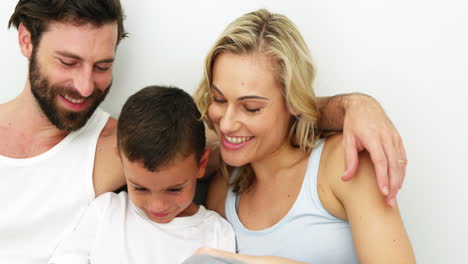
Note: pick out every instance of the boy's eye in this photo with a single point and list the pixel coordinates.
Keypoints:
(140, 189)
(175, 190)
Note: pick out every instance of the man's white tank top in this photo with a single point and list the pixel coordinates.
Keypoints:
(42, 197)
(308, 233)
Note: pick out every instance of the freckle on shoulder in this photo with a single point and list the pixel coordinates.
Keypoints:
(110, 129)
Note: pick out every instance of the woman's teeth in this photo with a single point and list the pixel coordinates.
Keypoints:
(237, 140)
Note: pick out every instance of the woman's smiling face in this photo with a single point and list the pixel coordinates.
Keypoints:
(247, 107)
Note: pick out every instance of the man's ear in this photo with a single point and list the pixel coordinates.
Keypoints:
(116, 152)
(203, 162)
(25, 41)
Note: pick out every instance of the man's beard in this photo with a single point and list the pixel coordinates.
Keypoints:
(45, 94)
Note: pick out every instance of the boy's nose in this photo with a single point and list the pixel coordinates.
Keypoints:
(158, 206)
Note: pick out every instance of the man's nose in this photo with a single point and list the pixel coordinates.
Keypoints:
(84, 82)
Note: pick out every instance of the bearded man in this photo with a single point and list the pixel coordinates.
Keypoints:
(55, 143)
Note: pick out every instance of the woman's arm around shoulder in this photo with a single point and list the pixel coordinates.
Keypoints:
(378, 232)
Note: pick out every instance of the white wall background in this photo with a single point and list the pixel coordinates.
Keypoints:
(409, 54)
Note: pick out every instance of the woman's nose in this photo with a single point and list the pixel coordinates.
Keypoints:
(229, 122)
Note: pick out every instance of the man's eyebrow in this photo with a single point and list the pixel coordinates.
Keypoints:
(109, 60)
(76, 57)
(69, 55)
(242, 97)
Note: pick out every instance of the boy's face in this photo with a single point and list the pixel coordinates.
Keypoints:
(168, 191)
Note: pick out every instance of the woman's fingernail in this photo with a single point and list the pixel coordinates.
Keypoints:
(385, 190)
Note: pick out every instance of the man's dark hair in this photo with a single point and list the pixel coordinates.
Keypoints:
(36, 15)
(158, 124)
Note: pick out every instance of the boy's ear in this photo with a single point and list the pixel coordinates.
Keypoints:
(116, 152)
(24, 40)
(203, 162)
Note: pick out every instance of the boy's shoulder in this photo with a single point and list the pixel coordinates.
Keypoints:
(110, 201)
(209, 213)
(220, 230)
(215, 220)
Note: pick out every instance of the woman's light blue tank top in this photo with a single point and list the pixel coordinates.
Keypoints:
(308, 233)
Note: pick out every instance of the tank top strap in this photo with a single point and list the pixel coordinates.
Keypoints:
(309, 186)
(232, 199)
(87, 137)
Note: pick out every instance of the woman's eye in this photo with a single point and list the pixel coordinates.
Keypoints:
(252, 110)
(218, 100)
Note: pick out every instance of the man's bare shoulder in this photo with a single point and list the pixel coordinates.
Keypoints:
(110, 129)
(108, 138)
(108, 173)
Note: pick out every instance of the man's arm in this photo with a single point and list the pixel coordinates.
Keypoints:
(366, 126)
(108, 173)
(332, 112)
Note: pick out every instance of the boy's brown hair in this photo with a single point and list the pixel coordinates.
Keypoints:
(157, 124)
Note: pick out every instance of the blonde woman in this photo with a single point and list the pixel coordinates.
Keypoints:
(281, 189)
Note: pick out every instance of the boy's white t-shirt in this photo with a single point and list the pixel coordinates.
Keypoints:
(113, 230)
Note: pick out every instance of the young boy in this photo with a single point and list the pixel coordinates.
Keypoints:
(161, 143)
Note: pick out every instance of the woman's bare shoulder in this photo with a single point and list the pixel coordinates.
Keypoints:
(332, 166)
(331, 169)
(217, 192)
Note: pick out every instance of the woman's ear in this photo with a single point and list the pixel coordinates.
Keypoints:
(25, 41)
(293, 111)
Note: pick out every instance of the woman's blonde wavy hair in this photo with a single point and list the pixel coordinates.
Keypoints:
(276, 36)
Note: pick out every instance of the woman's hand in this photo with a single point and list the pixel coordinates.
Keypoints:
(247, 259)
